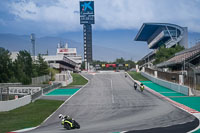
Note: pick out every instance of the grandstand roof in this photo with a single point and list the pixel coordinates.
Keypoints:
(147, 30)
(157, 34)
(60, 58)
(182, 56)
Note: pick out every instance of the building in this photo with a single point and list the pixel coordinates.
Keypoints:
(65, 59)
(159, 34)
(71, 53)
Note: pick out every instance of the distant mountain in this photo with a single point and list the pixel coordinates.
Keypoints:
(20, 42)
(107, 45)
(14, 42)
(193, 38)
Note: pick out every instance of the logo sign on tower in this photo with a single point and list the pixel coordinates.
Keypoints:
(86, 19)
(86, 8)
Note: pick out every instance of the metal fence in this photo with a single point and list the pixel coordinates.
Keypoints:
(192, 78)
(36, 95)
(171, 77)
(198, 81)
(189, 78)
(49, 88)
(44, 91)
(41, 79)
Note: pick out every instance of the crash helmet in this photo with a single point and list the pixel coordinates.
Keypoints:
(67, 116)
(60, 116)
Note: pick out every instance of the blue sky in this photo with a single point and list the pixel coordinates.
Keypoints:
(121, 18)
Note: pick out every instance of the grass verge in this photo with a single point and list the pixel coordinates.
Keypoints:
(78, 80)
(30, 115)
(137, 76)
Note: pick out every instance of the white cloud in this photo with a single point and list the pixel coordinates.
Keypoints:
(62, 15)
(59, 16)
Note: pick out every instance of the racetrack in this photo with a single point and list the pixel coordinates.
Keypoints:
(108, 103)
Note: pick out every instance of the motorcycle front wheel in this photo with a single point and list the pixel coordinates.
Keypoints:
(67, 126)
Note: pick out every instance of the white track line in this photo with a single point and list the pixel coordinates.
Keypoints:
(113, 100)
(197, 115)
(111, 87)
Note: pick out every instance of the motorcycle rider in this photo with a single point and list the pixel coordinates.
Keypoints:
(73, 124)
(135, 85)
(125, 75)
(141, 87)
(66, 117)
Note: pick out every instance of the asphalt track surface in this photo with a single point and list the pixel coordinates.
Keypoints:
(108, 103)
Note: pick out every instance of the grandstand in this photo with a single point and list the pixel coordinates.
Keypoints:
(159, 34)
(191, 55)
(61, 62)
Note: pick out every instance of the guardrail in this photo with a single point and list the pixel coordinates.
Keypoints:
(44, 91)
(176, 87)
(49, 88)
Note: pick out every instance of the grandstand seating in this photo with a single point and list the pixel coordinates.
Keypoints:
(182, 56)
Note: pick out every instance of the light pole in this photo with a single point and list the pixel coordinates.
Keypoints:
(33, 45)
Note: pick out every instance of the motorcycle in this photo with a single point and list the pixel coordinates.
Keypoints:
(141, 87)
(125, 75)
(69, 123)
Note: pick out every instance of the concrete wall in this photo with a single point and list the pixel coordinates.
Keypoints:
(13, 104)
(173, 86)
(41, 79)
(64, 78)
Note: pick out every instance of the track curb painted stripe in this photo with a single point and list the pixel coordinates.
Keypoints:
(29, 129)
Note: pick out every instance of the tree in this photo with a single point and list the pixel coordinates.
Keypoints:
(5, 66)
(131, 63)
(83, 66)
(42, 66)
(23, 67)
(164, 54)
(120, 61)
